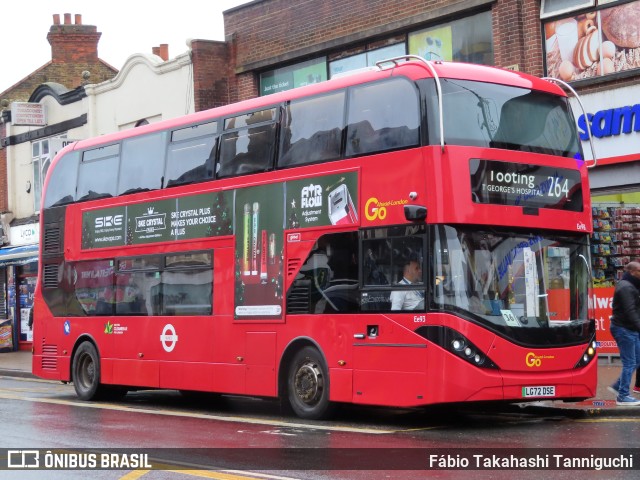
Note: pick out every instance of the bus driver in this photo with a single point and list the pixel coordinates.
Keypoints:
(411, 274)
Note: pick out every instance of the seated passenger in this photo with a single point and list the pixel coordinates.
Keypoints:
(411, 274)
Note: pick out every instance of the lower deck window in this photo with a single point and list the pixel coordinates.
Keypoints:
(175, 284)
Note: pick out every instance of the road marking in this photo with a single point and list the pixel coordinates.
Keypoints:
(209, 474)
(25, 389)
(255, 421)
(203, 473)
(135, 474)
(417, 429)
(225, 476)
(30, 379)
(194, 469)
(608, 420)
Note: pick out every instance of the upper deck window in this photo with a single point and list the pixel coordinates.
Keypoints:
(192, 154)
(312, 130)
(248, 144)
(142, 163)
(500, 116)
(62, 181)
(382, 116)
(98, 175)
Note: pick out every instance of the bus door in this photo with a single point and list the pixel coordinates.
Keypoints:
(389, 359)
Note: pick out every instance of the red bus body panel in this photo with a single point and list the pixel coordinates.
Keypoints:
(396, 368)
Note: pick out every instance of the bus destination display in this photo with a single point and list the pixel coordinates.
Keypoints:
(533, 186)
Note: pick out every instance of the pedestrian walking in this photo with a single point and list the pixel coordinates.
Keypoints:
(625, 328)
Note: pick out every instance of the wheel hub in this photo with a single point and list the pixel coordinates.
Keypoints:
(87, 371)
(309, 383)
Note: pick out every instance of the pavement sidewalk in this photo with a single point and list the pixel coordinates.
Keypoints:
(18, 364)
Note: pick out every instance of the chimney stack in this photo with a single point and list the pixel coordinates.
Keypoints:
(73, 43)
(162, 51)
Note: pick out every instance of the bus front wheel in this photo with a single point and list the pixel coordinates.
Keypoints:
(86, 372)
(308, 385)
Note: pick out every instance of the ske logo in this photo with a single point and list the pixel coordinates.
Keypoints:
(109, 221)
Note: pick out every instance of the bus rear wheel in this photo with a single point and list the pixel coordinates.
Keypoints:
(308, 385)
(85, 372)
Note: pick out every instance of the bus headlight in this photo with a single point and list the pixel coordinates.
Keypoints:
(588, 355)
(457, 344)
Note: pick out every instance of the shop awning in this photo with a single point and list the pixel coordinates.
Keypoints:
(18, 255)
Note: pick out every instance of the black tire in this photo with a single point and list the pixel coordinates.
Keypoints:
(85, 372)
(308, 385)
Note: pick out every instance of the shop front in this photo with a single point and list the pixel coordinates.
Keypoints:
(18, 275)
(614, 119)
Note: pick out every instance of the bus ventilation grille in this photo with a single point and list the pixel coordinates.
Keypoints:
(50, 275)
(52, 240)
(293, 265)
(49, 357)
(299, 297)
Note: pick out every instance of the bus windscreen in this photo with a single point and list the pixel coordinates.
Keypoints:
(506, 117)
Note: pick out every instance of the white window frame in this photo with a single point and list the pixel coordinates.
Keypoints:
(577, 5)
(41, 163)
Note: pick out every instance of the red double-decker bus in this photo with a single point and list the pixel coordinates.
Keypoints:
(409, 235)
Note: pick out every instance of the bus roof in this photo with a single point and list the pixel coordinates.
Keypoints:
(412, 69)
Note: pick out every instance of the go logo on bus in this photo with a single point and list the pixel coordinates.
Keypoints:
(533, 360)
(373, 210)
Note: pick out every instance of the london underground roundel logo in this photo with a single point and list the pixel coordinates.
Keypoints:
(169, 338)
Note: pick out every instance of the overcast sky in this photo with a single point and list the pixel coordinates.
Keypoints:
(127, 27)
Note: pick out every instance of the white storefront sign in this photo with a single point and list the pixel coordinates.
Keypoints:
(28, 114)
(614, 119)
(25, 234)
(57, 144)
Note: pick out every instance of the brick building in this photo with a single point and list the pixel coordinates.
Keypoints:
(74, 62)
(268, 34)
(74, 50)
(264, 35)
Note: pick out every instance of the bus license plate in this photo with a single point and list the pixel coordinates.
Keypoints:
(538, 391)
